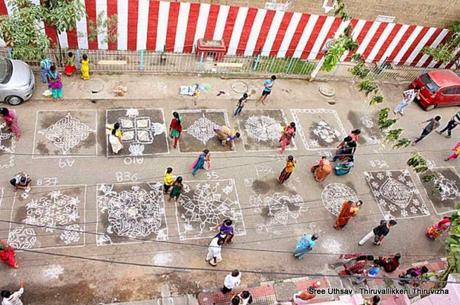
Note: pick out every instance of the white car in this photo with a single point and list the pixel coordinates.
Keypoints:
(17, 81)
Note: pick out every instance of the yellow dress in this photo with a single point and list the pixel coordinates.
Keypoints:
(85, 69)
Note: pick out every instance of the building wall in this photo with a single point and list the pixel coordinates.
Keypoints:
(176, 27)
(423, 12)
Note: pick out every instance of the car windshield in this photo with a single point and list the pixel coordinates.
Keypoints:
(429, 83)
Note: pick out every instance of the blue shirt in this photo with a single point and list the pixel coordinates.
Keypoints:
(268, 85)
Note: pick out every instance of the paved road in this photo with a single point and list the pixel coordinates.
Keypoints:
(85, 208)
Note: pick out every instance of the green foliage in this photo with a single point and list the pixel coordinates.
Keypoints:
(21, 31)
(401, 143)
(428, 178)
(102, 26)
(357, 57)
(383, 121)
(339, 10)
(418, 163)
(376, 99)
(360, 70)
(368, 86)
(63, 14)
(447, 51)
(452, 247)
(284, 65)
(393, 134)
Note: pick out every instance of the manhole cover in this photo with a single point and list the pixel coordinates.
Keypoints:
(327, 90)
(96, 85)
(240, 87)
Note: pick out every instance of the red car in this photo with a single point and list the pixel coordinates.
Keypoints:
(438, 88)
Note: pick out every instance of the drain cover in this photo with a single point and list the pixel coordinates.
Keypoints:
(327, 90)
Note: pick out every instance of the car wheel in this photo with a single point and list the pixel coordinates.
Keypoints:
(14, 100)
(431, 107)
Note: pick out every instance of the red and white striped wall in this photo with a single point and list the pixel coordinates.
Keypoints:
(175, 27)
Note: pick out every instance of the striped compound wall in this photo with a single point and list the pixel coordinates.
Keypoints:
(175, 27)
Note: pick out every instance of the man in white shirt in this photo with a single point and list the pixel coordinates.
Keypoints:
(214, 251)
(231, 281)
(9, 298)
(408, 97)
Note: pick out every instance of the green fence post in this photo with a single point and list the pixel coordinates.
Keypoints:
(289, 65)
(141, 60)
(256, 63)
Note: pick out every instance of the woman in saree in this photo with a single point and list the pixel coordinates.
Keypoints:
(115, 138)
(287, 170)
(322, 169)
(439, 227)
(203, 158)
(11, 120)
(349, 209)
(286, 137)
(55, 82)
(7, 254)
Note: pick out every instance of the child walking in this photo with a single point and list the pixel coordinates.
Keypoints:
(168, 179)
(240, 104)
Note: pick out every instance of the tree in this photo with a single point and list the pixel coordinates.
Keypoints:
(453, 247)
(23, 29)
(447, 52)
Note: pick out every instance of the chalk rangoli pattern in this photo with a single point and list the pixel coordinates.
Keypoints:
(132, 213)
(7, 146)
(67, 133)
(263, 128)
(396, 194)
(316, 129)
(202, 129)
(205, 205)
(139, 131)
(443, 191)
(280, 208)
(22, 237)
(335, 194)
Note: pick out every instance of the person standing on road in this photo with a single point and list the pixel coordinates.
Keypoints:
(203, 159)
(268, 86)
(378, 233)
(9, 298)
(45, 65)
(11, 120)
(305, 245)
(175, 128)
(455, 154)
(240, 105)
(433, 123)
(408, 97)
(232, 280)
(55, 82)
(214, 255)
(287, 170)
(84, 69)
(176, 189)
(454, 121)
(168, 180)
(286, 137)
(349, 209)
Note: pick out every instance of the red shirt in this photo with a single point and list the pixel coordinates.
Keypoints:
(175, 124)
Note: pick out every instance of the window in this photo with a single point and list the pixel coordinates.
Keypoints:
(429, 83)
(5, 70)
(450, 90)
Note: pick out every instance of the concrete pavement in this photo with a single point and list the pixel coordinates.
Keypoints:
(94, 265)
